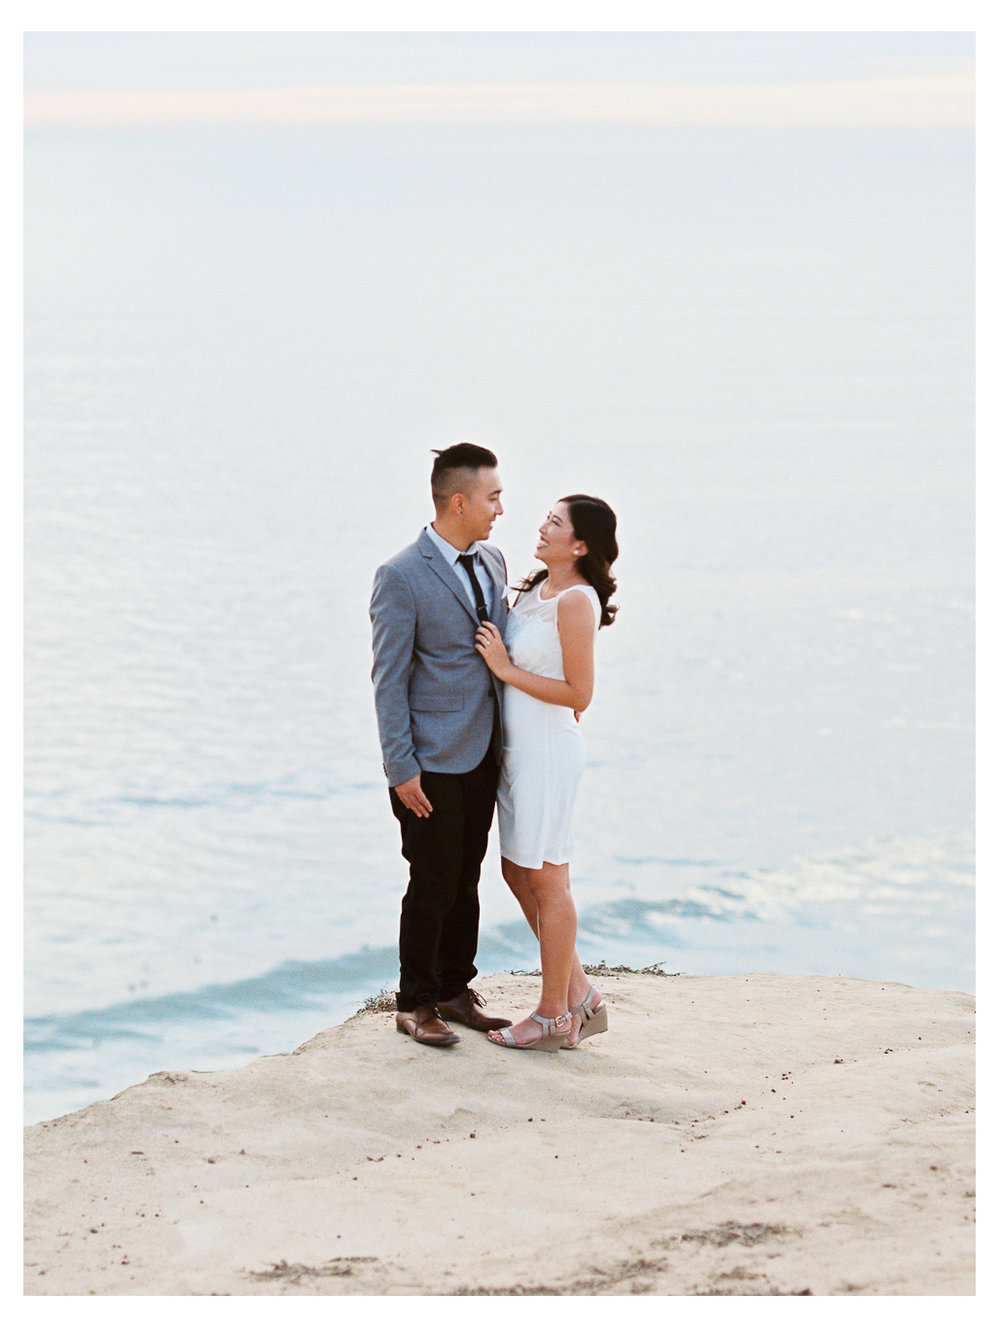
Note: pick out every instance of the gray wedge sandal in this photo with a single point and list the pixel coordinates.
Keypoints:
(553, 1034)
(591, 1020)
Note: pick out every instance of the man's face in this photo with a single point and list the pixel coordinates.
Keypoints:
(481, 505)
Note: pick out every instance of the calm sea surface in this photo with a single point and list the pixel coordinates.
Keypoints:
(240, 349)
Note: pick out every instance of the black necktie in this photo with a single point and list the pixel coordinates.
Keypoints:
(467, 560)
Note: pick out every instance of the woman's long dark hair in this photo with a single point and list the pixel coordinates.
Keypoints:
(595, 524)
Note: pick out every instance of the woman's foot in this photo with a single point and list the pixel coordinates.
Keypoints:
(588, 1017)
(536, 1033)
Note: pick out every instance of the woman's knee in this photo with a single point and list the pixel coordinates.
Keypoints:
(549, 883)
(516, 878)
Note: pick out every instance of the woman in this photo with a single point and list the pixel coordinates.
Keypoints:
(549, 679)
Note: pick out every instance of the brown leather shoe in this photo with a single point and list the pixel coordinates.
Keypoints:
(424, 1024)
(469, 1008)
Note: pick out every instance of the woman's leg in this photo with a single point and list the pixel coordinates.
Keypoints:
(545, 899)
(556, 935)
(519, 881)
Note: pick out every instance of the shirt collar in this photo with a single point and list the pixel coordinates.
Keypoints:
(449, 550)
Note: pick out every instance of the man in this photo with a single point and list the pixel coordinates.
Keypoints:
(438, 709)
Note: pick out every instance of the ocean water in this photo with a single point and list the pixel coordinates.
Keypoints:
(240, 348)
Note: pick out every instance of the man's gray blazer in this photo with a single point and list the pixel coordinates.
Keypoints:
(435, 698)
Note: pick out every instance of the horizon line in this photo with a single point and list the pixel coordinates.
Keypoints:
(923, 100)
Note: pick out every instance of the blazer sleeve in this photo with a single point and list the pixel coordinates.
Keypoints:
(394, 623)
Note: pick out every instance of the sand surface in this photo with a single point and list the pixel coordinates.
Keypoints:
(749, 1135)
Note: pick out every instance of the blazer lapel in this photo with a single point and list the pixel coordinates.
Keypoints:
(499, 581)
(439, 565)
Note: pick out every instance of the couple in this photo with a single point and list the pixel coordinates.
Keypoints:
(467, 722)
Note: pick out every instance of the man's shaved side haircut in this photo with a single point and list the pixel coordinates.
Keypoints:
(456, 466)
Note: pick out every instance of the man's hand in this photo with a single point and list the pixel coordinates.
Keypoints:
(411, 795)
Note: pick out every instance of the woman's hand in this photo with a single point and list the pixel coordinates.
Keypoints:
(490, 645)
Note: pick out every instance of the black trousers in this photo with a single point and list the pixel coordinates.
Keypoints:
(439, 920)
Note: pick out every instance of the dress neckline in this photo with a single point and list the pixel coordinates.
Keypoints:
(548, 599)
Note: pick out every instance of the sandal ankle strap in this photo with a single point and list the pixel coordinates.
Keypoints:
(560, 1022)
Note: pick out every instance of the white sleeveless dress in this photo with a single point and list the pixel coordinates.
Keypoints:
(544, 753)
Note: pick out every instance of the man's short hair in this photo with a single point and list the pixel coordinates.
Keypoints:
(455, 466)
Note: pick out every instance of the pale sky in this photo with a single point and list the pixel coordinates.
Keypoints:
(665, 78)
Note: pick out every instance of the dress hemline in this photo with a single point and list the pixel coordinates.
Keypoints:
(534, 866)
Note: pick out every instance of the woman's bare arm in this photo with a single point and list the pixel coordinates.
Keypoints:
(576, 636)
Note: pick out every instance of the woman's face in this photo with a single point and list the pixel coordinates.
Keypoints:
(557, 543)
